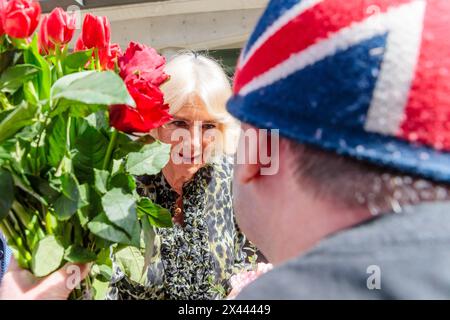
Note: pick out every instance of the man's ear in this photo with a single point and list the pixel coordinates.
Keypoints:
(258, 154)
(247, 166)
(245, 173)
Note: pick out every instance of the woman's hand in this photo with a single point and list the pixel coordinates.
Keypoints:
(20, 284)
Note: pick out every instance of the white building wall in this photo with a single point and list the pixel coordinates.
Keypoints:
(184, 24)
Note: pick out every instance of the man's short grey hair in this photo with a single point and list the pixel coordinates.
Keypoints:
(357, 184)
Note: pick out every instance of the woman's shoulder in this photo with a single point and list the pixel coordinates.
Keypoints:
(224, 166)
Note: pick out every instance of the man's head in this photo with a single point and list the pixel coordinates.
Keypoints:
(360, 91)
(316, 193)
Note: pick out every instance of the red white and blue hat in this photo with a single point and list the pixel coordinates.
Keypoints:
(368, 79)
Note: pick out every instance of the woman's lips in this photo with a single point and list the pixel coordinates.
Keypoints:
(191, 159)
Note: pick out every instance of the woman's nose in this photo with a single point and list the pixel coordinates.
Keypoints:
(196, 138)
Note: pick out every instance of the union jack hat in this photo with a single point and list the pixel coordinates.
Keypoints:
(369, 79)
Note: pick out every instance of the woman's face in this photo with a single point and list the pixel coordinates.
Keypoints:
(194, 135)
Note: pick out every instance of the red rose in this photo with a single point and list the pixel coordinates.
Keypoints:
(79, 44)
(109, 55)
(150, 111)
(96, 32)
(60, 26)
(21, 18)
(142, 62)
(3, 4)
(45, 44)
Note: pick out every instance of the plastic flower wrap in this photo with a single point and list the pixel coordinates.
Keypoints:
(66, 175)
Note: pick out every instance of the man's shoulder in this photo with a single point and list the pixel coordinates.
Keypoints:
(310, 278)
(410, 275)
(394, 257)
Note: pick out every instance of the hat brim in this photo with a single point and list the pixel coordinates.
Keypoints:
(383, 151)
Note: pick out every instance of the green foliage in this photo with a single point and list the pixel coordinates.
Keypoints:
(7, 192)
(47, 256)
(22, 116)
(92, 87)
(16, 76)
(149, 160)
(67, 179)
(156, 215)
(77, 60)
(131, 261)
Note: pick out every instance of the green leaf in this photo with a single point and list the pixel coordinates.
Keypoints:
(76, 109)
(65, 207)
(6, 192)
(82, 110)
(101, 180)
(56, 140)
(102, 271)
(36, 157)
(8, 56)
(30, 133)
(72, 199)
(14, 77)
(118, 166)
(84, 194)
(120, 209)
(125, 145)
(21, 182)
(44, 76)
(103, 228)
(98, 120)
(95, 205)
(122, 181)
(131, 261)
(21, 117)
(92, 87)
(149, 237)
(44, 188)
(89, 147)
(70, 187)
(150, 160)
(77, 60)
(157, 215)
(100, 288)
(47, 256)
(104, 257)
(77, 254)
(30, 93)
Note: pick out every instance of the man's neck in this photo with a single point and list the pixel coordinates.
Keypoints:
(318, 222)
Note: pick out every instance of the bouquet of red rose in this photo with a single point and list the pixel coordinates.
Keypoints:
(67, 159)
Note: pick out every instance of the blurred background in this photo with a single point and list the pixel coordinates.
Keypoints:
(218, 27)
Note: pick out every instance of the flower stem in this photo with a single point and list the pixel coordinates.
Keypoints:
(9, 229)
(21, 214)
(58, 66)
(5, 230)
(69, 127)
(111, 146)
(97, 60)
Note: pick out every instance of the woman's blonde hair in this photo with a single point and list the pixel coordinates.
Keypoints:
(194, 76)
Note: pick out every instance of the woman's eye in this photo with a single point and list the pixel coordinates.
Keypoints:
(179, 124)
(209, 126)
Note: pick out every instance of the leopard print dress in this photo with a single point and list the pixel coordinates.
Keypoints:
(191, 261)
